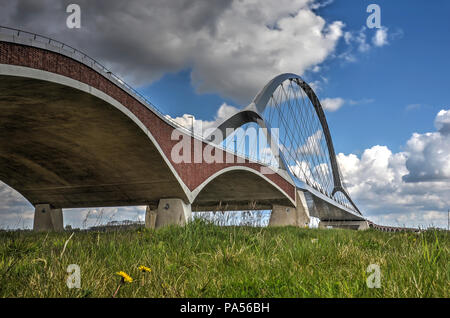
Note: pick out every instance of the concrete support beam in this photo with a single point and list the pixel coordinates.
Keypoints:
(172, 211)
(352, 225)
(47, 219)
(150, 218)
(285, 215)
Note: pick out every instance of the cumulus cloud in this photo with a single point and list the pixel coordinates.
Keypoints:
(442, 122)
(429, 153)
(409, 187)
(332, 104)
(233, 47)
(429, 157)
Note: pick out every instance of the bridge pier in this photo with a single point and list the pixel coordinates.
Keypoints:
(150, 217)
(351, 225)
(285, 215)
(47, 218)
(169, 212)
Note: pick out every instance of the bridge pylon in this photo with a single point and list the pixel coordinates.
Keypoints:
(47, 218)
(295, 216)
(168, 212)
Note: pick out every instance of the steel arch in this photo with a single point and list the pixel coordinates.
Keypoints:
(253, 113)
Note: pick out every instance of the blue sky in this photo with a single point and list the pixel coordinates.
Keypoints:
(411, 70)
(387, 100)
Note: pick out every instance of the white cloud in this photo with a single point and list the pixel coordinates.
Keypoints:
(409, 187)
(361, 101)
(223, 113)
(361, 40)
(245, 54)
(358, 40)
(442, 122)
(233, 47)
(319, 4)
(316, 69)
(312, 144)
(332, 104)
(381, 37)
(302, 170)
(429, 157)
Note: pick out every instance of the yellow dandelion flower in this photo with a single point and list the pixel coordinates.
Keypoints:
(143, 268)
(125, 277)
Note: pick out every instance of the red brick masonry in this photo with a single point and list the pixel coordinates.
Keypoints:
(192, 174)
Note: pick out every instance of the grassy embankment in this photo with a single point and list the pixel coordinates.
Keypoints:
(203, 260)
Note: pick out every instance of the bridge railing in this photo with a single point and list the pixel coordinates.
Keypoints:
(32, 39)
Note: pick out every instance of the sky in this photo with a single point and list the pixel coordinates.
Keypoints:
(385, 90)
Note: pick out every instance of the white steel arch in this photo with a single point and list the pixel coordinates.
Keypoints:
(255, 112)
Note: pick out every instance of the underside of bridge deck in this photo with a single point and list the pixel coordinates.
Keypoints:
(239, 190)
(70, 149)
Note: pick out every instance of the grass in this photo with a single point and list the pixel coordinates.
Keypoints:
(204, 260)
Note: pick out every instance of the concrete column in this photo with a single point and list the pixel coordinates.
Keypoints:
(150, 218)
(172, 211)
(47, 219)
(285, 215)
(352, 225)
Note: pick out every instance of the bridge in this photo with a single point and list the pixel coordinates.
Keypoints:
(74, 135)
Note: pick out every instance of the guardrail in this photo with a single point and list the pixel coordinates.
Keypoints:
(386, 228)
(32, 39)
